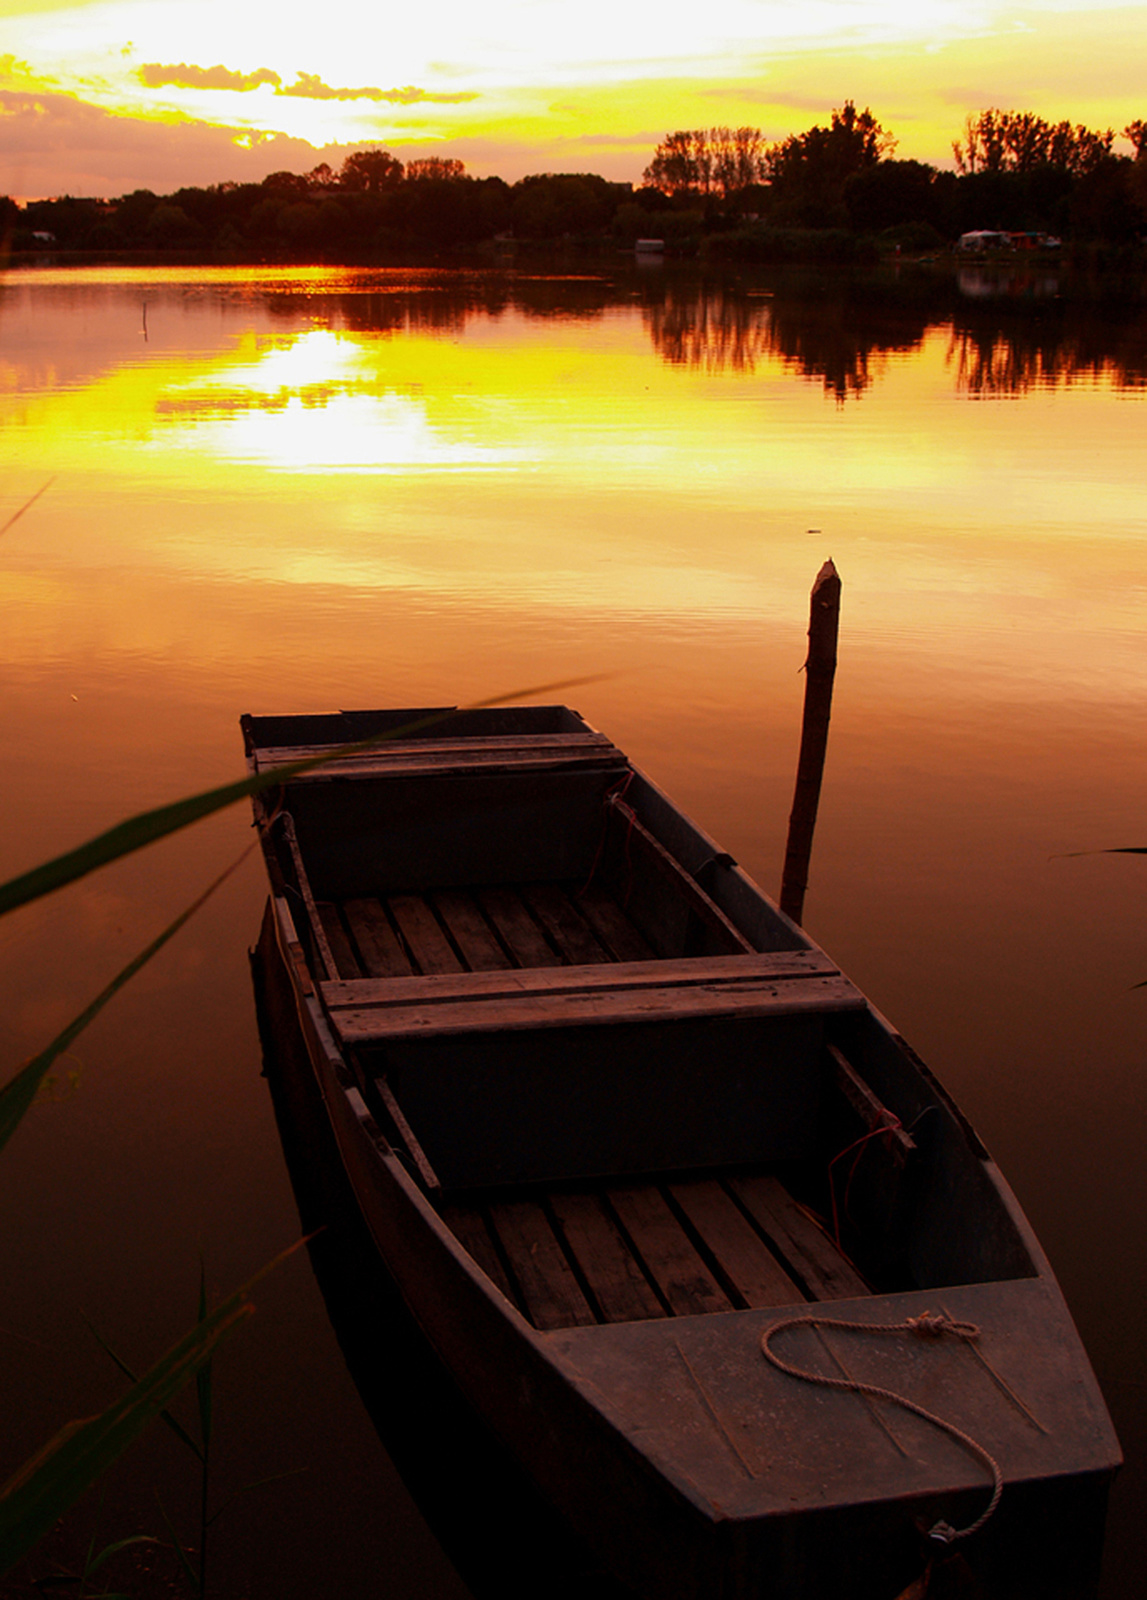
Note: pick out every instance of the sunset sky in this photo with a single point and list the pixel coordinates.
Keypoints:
(113, 95)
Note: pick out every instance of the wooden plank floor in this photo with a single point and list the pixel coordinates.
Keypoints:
(482, 930)
(614, 1252)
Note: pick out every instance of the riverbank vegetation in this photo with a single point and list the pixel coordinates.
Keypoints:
(834, 192)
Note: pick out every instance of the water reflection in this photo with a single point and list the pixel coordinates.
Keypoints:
(1012, 355)
(318, 402)
(842, 333)
(1009, 330)
(708, 328)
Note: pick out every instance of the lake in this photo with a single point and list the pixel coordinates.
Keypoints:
(311, 489)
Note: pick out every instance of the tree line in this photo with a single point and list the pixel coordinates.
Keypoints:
(1015, 172)
(834, 188)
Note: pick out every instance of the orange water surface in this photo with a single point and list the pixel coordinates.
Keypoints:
(296, 490)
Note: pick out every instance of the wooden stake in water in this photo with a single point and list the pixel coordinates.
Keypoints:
(820, 669)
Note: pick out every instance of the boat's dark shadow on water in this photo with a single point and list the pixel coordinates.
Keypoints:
(503, 1539)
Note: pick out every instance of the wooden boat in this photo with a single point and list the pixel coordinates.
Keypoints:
(637, 1156)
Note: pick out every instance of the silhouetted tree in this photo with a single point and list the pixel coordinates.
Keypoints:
(372, 171)
(1019, 141)
(807, 171)
(549, 205)
(895, 193)
(434, 167)
(286, 182)
(9, 219)
(707, 161)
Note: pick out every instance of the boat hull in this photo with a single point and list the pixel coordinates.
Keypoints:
(609, 1119)
(659, 1536)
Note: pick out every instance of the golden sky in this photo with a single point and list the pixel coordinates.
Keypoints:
(112, 95)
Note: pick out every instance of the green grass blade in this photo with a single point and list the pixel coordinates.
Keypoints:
(52, 1481)
(1111, 850)
(172, 1422)
(189, 1571)
(19, 1092)
(203, 1376)
(48, 1484)
(114, 1549)
(258, 1483)
(148, 826)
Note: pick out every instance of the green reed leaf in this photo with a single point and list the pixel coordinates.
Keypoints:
(172, 1422)
(189, 1571)
(93, 1564)
(51, 1481)
(148, 826)
(19, 1092)
(54, 1479)
(203, 1376)
(1111, 850)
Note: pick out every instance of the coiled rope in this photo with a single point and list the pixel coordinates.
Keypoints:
(928, 1325)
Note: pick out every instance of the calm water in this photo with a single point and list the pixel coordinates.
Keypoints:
(295, 491)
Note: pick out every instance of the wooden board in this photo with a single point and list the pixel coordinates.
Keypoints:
(825, 1271)
(337, 941)
(379, 946)
(636, 1251)
(666, 1251)
(607, 1264)
(551, 1292)
(423, 934)
(516, 927)
(469, 1227)
(701, 972)
(564, 924)
(668, 902)
(470, 932)
(404, 757)
(613, 927)
(753, 1272)
(587, 1004)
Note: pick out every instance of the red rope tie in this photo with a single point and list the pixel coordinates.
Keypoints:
(892, 1124)
(615, 798)
(928, 1325)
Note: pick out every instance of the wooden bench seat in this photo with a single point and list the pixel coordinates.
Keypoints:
(539, 955)
(430, 756)
(371, 1010)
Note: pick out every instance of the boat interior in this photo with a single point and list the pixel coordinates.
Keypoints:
(630, 1086)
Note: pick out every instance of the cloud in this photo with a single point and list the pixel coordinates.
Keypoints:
(56, 144)
(155, 76)
(307, 85)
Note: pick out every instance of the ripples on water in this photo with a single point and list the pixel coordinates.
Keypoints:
(295, 490)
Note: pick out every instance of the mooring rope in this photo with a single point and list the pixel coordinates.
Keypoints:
(927, 1325)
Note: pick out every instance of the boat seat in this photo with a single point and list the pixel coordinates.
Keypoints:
(373, 1010)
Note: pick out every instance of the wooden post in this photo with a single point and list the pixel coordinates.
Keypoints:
(820, 669)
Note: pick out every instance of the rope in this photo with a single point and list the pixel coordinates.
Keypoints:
(615, 797)
(927, 1325)
(891, 1124)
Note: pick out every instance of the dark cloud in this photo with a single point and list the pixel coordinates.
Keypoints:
(307, 85)
(183, 76)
